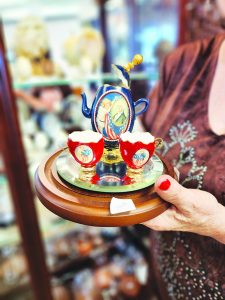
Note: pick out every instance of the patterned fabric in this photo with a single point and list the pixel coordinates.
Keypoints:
(189, 266)
(181, 135)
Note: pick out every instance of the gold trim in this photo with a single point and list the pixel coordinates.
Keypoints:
(137, 60)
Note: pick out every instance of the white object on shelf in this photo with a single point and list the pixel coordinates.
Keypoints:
(6, 208)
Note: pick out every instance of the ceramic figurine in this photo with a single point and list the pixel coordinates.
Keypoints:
(113, 111)
(137, 148)
(32, 50)
(84, 52)
(87, 148)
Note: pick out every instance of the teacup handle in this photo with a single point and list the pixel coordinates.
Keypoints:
(139, 102)
(158, 143)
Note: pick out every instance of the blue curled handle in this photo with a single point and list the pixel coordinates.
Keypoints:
(85, 110)
(141, 102)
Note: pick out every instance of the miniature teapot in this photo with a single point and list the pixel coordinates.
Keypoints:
(113, 111)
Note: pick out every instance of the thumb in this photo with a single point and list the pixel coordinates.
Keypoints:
(171, 191)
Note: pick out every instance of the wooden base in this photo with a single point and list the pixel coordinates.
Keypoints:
(92, 208)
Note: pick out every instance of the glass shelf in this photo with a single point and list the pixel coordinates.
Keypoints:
(52, 81)
(10, 236)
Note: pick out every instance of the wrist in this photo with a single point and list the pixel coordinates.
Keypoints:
(218, 230)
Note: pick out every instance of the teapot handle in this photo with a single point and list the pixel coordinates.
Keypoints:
(158, 143)
(141, 102)
(85, 110)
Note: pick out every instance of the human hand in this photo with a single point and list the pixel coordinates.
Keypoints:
(30, 100)
(192, 210)
(19, 94)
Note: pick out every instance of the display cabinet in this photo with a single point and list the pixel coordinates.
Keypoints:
(58, 252)
(66, 251)
(16, 170)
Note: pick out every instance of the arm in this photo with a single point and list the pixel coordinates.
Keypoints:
(191, 210)
(32, 101)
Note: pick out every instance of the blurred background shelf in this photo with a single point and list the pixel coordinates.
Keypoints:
(10, 236)
(76, 257)
(106, 77)
(119, 249)
(81, 39)
(48, 10)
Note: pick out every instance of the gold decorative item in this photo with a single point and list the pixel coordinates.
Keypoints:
(84, 51)
(32, 50)
(137, 60)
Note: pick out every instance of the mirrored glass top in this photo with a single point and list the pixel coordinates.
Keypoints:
(111, 178)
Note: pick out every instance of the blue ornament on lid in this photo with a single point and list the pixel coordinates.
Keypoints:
(123, 75)
(113, 111)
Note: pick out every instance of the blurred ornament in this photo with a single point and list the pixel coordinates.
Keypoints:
(163, 48)
(14, 268)
(61, 248)
(29, 127)
(51, 97)
(60, 292)
(141, 273)
(116, 270)
(31, 38)
(129, 286)
(6, 207)
(85, 50)
(97, 241)
(110, 232)
(23, 68)
(41, 140)
(28, 144)
(84, 244)
(73, 114)
(51, 124)
(103, 278)
(83, 287)
(32, 49)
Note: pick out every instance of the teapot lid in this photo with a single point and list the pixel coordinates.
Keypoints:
(123, 72)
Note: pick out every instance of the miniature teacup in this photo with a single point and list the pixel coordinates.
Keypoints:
(137, 148)
(86, 147)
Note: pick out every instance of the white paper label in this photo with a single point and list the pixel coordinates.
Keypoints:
(121, 205)
(141, 273)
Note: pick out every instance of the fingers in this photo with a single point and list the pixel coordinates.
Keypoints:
(187, 212)
(171, 191)
(164, 222)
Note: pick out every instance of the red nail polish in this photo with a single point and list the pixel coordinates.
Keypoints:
(164, 185)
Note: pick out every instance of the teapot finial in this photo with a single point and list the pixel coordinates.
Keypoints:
(137, 60)
(123, 72)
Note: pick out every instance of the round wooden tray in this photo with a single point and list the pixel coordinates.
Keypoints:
(92, 208)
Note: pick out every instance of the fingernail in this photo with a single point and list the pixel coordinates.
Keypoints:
(164, 185)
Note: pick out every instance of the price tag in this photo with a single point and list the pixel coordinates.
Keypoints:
(118, 206)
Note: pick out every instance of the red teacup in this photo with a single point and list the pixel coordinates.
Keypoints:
(137, 148)
(86, 147)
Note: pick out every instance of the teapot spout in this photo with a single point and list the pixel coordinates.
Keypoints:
(85, 110)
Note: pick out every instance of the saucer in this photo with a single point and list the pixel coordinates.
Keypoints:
(111, 178)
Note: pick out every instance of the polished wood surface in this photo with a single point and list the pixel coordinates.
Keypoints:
(92, 208)
(16, 171)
